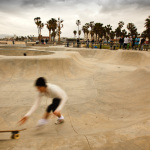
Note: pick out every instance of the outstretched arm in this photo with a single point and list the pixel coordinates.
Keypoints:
(33, 108)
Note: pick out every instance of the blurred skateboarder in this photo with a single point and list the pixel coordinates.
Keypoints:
(59, 98)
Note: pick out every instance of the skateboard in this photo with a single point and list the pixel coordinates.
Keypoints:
(15, 133)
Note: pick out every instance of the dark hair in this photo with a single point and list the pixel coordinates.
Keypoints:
(41, 81)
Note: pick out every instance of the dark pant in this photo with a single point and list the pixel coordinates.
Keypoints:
(133, 46)
(125, 45)
(121, 45)
(54, 105)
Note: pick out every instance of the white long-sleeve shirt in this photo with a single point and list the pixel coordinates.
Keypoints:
(52, 91)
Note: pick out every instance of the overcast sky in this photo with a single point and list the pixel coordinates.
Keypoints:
(17, 17)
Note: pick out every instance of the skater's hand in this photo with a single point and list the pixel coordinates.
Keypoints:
(23, 120)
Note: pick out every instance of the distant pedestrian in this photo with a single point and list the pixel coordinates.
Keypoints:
(130, 42)
(67, 43)
(46, 41)
(133, 42)
(92, 42)
(126, 42)
(121, 41)
(42, 41)
(100, 43)
(78, 43)
(87, 43)
(137, 41)
(13, 42)
(142, 43)
(111, 44)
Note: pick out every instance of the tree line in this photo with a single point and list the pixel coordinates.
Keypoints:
(101, 31)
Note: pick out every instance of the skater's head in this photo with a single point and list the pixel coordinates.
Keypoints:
(40, 83)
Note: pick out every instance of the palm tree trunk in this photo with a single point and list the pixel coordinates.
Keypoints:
(87, 36)
(49, 35)
(78, 31)
(39, 34)
(54, 39)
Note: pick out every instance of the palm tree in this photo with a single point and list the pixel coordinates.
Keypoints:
(87, 29)
(48, 25)
(129, 34)
(54, 35)
(112, 34)
(51, 26)
(60, 26)
(40, 25)
(98, 29)
(104, 32)
(84, 30)
(108, 29)
(79, 33)
(92, 26)
(132, 28)
(78, 22)
(118, 29)
(118, 32)
(74, 32)
(92, 33)
(124, 33)
(54, 27)
(121, 24)
(147, 25)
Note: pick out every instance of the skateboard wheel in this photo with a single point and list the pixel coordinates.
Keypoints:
(15, 136)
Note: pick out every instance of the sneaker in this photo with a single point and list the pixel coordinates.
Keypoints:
(42, 122)
(59, 121)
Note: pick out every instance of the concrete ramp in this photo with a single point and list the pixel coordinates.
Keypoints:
(108, 106)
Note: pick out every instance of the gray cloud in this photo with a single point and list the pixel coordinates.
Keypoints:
(106, 5)
(26, 3)
(109, 5)
(9, 2)
(19, 14)
(35, 3)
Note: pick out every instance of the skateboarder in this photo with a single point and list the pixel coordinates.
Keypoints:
(49, 90)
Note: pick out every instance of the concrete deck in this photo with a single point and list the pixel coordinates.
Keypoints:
(108, 106)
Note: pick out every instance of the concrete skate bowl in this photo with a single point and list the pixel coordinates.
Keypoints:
(108, 106)
(22, 52)
(116, 57)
